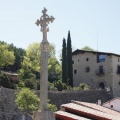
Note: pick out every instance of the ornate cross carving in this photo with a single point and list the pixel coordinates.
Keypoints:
(43, 22)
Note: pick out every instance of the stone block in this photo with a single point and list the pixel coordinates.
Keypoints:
(43, 115)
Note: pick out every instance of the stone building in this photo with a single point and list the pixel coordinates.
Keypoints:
(99, 70)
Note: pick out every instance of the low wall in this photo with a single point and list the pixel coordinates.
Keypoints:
(7, 97)
(63, 97)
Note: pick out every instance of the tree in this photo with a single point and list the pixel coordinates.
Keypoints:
(27, 101)
(54, 69)
(60, 86)
(31, 63)
(18, 53)
(87, 48)
(69, 60)
(6, 57)
(4, 80)
(64, 62)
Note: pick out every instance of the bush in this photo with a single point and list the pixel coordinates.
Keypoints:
(52, 107)
(61, 86)
(82, 86)
(4, 81)
(30, 83)
(28, 101)
(51, 87)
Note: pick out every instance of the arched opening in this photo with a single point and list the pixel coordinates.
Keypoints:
(101, 85)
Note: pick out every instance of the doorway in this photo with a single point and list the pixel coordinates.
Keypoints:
(101, 85)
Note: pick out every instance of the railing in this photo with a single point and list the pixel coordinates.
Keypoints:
(118, 72)
(99, 71)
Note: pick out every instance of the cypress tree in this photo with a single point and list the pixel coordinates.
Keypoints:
(69, 60)
(64, 62)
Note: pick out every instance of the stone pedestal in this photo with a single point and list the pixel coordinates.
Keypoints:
(43, 115)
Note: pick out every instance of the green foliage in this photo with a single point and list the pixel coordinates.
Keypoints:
(26, 100)
(87, 48)
(54, 70)
(64, 62)
(30, 83)
(37, 84)
(6, 57)
(82, 86)
(52, 87)
(69, 61)
(21, 84)
(4, 80)
(60, 86)
(31, 63)
(52, 107)
(19, 55)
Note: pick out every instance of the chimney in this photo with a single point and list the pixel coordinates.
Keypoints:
(99, 102)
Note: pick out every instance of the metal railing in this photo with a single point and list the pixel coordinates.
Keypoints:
(99, 71)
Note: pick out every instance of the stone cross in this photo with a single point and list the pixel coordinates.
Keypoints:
(43, 22)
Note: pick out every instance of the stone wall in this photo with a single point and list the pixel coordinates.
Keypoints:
(7, 97)
(92, 78)
(8, 108)
(63, 97)
(116, 76)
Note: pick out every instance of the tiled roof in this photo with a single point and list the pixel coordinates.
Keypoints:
(87, 111)
(98, 107)
(62, 114)
(78, 51)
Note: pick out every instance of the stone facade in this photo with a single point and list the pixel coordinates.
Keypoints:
(97, 69)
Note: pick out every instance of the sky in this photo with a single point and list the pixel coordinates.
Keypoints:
(94, 23)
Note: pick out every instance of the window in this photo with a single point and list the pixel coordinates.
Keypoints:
(72, 61)
(78, 60)
(101, 58)
(118, 69)
(87, 69)
(111, 106)
(87, 59)
(75, 71)
(101, 69)
(118, 60)
(119, 83)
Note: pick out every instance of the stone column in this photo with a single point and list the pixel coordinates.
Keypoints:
(43, 113)
(44, 76)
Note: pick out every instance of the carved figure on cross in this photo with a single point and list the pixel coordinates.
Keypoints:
(43, 22)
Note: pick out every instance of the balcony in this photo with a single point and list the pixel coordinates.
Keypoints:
(118, 72)
(100, 72)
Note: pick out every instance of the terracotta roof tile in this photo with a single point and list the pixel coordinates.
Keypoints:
(62, 114)
(90, 111)
(98, 107)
